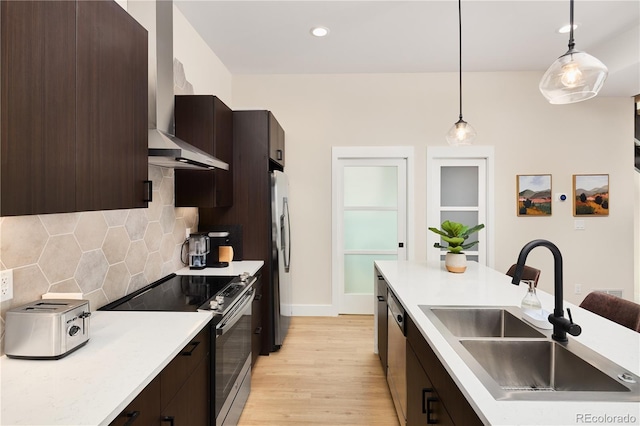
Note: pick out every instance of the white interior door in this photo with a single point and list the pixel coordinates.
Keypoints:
(460, 189)
(371, 216)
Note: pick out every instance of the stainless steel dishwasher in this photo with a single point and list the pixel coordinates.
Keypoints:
(397, 357)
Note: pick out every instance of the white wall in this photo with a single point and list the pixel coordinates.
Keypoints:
(203, 69)
(530, 136)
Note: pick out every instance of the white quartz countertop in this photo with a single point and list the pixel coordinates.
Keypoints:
(423, 283)
(234, 268)
(92, 385)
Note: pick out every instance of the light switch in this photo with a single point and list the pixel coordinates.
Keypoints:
(578, 224)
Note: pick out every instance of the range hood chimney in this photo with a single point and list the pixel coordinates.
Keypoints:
(165, 149)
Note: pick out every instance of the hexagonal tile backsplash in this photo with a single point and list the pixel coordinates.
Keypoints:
(104, 255)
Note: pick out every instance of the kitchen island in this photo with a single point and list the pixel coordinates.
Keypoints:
(428, 283)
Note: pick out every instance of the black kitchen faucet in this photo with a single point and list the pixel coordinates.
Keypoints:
(561, 325)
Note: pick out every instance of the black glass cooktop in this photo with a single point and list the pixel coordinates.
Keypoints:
(172, 293)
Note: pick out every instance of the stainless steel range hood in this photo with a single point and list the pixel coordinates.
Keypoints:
(165, 149)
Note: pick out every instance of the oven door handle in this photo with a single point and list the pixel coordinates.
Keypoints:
(225, 326)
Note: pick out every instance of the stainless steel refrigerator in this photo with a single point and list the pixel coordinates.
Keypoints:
(280, 257)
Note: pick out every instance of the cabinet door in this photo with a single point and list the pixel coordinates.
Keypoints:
(448, 392)
(112, 119)
(276, 141)
(382, 314)
(183, 365)
(423, 403)
(256, 322)
(38, 78)
(206, 123)
(190, 405)
(144, 410)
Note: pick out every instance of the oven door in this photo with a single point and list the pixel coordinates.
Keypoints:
(233, 361)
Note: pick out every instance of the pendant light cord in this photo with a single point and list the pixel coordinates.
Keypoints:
(460, 50)
(571, 41)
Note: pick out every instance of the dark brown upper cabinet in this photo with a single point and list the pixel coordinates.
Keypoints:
(73, 107)
(276, 142)
(205, 122)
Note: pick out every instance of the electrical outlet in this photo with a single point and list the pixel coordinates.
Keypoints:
(187, 233)
(6, 287)
(578, 289)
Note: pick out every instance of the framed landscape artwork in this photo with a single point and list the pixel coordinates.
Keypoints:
(590, 195)
(534, 195)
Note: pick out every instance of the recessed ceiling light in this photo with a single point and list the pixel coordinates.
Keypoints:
(319, 31)
(565, 29)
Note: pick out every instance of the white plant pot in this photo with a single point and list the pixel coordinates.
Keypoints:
(455, 262)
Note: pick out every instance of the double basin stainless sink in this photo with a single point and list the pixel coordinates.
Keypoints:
(516, 361)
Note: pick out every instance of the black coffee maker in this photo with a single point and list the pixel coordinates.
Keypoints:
(221, 250)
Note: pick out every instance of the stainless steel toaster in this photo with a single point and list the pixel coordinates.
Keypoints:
(46, 329)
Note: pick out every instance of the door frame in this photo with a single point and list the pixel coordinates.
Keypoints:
(367, 152)
(486, 153)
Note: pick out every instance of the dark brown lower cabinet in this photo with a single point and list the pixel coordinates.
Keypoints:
(423, 403)
(381, 307)
(179, 395)
(188, 407)
(256, 321)
(432, 395)
(144, 410)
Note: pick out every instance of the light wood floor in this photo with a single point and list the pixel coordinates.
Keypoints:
(325, 374)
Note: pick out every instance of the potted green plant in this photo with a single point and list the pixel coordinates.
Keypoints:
(455, 234)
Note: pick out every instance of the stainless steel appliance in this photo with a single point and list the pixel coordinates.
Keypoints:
(397, 356)
(165, 149)
(46, 329)
(229, 298)
(199, 248)
(281, 260)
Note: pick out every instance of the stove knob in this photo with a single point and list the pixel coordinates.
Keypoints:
(244, 276)
(213, 305)
(220, 299)
(73, 330)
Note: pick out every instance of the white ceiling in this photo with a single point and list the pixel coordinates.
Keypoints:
(272, 37)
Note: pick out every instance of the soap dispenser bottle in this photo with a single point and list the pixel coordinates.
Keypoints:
(530, 302)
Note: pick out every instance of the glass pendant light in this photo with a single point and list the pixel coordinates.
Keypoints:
(461, 133)
(575, 76)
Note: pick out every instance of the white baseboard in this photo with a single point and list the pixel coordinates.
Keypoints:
(313, 311)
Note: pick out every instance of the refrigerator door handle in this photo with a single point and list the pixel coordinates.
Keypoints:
(286, 229)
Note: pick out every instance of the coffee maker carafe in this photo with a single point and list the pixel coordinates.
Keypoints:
(198, 249)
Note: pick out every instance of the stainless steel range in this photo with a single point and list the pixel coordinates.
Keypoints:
(229, 298)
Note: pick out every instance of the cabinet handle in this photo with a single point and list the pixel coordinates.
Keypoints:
(425, 391)
(380, 299)
(189, 353)
(430, 401)
(149, 193)
(258, 330)
(279, 154)
(428, 409)
(132, 417)
(169, 419)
